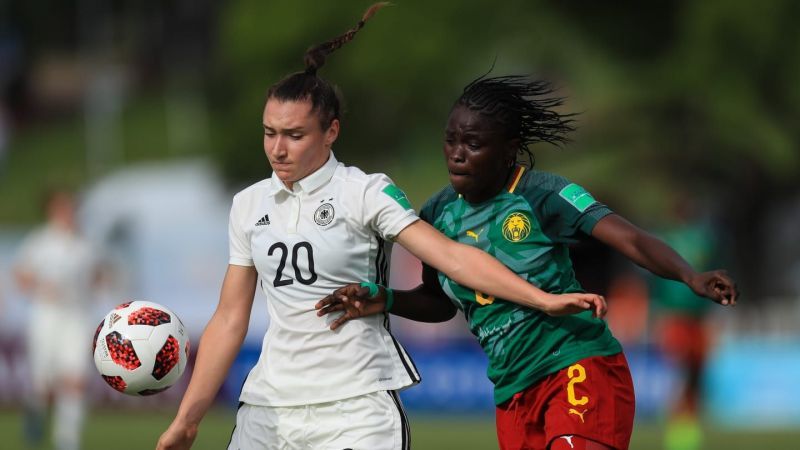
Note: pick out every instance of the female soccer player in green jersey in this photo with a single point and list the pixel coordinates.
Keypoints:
(560, 382)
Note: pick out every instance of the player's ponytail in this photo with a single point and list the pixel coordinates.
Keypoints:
(315, 56)
(307, 85)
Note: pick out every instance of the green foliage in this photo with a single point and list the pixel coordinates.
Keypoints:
(698, 95)
(700, 88)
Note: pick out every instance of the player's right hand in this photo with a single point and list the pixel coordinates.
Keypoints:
(354, 301)
(573, 303)
(716, 285)
(177, 437)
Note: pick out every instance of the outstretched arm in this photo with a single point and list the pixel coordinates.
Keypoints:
(218, 347)
(425, 303)
(656, 256)
(476, 269)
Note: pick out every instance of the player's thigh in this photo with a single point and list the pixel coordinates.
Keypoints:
(44, 346)
(372, 421)
(72, 361)
(593, 399)
(257, 429)
(520, 420)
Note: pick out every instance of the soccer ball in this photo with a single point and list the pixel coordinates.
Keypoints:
(140, 348)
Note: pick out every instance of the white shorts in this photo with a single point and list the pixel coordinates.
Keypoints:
(59, 346)
(373, 421)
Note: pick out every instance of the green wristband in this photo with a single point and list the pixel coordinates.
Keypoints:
(374, 289)
(389, 299)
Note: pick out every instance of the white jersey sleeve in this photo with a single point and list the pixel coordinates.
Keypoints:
(387, 210)
(238, 239)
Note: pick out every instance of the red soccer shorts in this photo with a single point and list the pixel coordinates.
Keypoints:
(592, 398)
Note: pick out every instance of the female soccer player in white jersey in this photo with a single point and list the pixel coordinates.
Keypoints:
(58, 268)
(312, 227)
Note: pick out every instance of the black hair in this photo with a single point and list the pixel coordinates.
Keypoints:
(522, 107)
(306, 85)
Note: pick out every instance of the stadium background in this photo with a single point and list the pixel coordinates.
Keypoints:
(151, 109)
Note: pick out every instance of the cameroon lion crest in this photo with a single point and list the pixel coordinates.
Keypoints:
(516, 227)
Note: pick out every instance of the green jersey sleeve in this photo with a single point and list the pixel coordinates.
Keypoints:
(434, 205)
(570, 211)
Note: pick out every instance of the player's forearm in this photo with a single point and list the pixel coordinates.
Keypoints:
(642, 248)
(478, 270)
(218, 348)
(659, 258)
(469, 266)
(421, 305)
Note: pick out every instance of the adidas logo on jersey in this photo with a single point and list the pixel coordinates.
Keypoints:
(264, 220)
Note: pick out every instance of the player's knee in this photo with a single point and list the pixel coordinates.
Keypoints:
(573, 442)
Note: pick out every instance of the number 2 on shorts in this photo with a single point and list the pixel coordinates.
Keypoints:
(576, 374)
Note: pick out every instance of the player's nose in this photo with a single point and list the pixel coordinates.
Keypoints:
(276, 147)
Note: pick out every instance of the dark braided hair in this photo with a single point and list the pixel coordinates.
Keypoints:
(306, 85)
(521, 107)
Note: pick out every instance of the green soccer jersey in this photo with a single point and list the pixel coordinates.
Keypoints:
(695, 242)
(528, 227)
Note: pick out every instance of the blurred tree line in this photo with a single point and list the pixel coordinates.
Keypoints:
(674, 96)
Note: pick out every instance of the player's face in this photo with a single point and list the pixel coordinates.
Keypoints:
(294, 141)
(477, 155)
(61, 210)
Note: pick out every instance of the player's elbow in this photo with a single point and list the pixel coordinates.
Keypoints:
(445, 313)
(228, 325)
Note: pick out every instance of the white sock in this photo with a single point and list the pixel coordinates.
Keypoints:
(68, 421)
(35, 414)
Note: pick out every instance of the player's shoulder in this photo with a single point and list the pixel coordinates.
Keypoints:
(44, 235)
(255, 190)
(356, 179)
(541, 182)
(250, 196)
(436, 203)
(560, 194)
(355, 174)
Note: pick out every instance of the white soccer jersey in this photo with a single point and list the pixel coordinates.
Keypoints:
(333, 228)
(63, 265)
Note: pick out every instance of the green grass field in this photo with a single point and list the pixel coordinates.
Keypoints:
(114, 430)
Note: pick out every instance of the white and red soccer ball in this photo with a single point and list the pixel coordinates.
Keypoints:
(140, 348)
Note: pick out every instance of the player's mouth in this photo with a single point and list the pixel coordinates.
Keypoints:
(457, 175)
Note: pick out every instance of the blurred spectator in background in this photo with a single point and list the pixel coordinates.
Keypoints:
(10, 70)
(5, 130)
(57, 269)
(680, 320)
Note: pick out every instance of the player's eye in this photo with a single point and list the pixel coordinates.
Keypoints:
(474, 145)
(269, 133)
(296, 136)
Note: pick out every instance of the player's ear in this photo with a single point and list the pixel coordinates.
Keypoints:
(512, 147)
(332, 133)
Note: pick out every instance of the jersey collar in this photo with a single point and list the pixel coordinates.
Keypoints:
(311, 182)
(514, 179)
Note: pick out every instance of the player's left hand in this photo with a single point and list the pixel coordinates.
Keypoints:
(716, 285)
(179, 436)
(354, 301)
